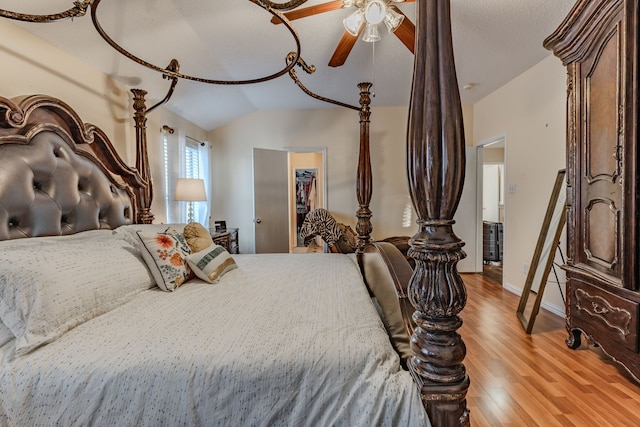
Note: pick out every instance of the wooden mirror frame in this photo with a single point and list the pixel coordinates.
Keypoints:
(549, 237)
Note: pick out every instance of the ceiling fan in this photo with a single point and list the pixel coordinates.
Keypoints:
(367, 16)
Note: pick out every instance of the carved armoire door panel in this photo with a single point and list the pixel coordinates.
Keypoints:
(600, 202)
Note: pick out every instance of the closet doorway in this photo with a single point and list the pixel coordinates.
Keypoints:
(307, 190)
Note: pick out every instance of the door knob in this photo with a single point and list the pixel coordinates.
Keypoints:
(258, 220)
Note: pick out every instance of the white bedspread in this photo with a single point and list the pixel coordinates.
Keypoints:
(284, 340)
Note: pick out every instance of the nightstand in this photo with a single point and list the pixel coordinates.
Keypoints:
(227, 239)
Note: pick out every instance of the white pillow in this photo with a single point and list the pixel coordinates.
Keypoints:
(165, 255)
(211, 263)
(46, 291)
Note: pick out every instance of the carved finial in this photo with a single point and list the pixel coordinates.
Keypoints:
(139, 106)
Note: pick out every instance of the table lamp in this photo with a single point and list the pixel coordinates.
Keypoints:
(190, 190)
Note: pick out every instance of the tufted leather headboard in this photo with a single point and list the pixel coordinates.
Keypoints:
(58, 175)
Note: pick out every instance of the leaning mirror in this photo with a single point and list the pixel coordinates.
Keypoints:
(544, 253)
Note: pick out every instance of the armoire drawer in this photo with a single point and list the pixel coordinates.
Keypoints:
(610, 317)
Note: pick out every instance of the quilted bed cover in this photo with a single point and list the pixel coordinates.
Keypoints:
(283, 340)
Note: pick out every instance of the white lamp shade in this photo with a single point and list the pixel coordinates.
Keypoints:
(393, 20)
(375, 11)
(190, 190)
(371, 33)
(353, 23)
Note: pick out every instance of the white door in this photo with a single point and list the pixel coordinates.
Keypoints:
(466, 217)
(271, 200)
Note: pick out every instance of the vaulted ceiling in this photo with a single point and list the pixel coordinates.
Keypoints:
(494, 41)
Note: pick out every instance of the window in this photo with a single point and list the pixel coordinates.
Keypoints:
(192, 170)
(192, 162)
(184, 157)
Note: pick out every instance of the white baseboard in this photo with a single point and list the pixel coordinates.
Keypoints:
(558, 311)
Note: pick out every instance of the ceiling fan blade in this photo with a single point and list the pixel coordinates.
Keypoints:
(406, 32)
(343, 49)
(310, 11)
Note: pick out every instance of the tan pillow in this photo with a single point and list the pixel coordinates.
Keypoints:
(198, 238)
(385, 268)
(347, 242)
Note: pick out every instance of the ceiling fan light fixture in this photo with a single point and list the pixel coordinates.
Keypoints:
(371, 33)
(392, 20)
(375, 11)
(353, 23)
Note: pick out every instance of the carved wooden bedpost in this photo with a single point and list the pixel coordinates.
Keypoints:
(435, 169)
(145, 196)
(364, 179)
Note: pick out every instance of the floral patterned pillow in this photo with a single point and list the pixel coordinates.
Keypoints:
(166, 256)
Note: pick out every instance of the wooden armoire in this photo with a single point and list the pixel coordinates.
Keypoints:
(598, 43)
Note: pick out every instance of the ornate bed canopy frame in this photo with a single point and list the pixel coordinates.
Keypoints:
(435, 173)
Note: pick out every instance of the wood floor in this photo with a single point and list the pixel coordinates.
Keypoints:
(536, 380)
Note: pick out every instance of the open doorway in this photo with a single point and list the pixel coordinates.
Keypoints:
(277, 175)
(493, 207)
(307, 190)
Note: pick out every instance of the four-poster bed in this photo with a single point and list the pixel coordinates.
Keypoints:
(434, 296)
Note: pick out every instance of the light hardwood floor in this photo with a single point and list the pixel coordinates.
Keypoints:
(536, 380)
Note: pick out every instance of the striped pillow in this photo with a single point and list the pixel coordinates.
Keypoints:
(211, 263)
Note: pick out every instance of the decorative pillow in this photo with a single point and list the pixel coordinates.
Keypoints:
(198, 238)
(211, 263)
(128, 232)
(348, 240)
(46, 290)
(381, 281)
(165, 255)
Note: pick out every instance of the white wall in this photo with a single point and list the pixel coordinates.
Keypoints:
(336, 129)
(530, 111)
(30, 66)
